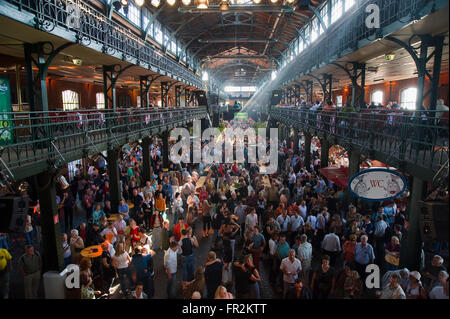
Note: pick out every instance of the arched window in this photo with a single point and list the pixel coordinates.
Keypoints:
(377, 97)
(70, 100)
(408, 98)
(100, 101)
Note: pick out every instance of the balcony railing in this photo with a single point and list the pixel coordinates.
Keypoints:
(92, 27)
(416, 137)
(57, 137)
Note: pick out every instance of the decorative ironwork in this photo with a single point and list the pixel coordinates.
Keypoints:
(418, 139)
(69, 135)
(93, 27)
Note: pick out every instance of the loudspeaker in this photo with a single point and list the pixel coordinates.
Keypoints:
(434, 221)
(276, 97)
(13, 213)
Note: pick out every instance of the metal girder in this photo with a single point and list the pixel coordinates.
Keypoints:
(325, 83)
(238, 8)
(111, 73)
(358, 72)
(152, 19)
(317, 14)
(144, 87)
(234, 40)
(421, 59)
(238, 56)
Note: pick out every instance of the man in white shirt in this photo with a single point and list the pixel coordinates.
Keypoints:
(393, 290)
(297, 223)
(331, 245)
(139, 292)
(251, 220)
(304, 253)
(170, 265)
(284, 221)
(291, 267)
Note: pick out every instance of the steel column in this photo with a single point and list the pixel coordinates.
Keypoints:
(52, 254)
(413, 240)
(146, 159)
(164, 94)
(165, 149)
(324, 152)
(111, 74)
(178, 95)
(307, 148)
(114, 177)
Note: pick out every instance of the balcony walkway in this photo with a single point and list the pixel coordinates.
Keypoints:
(415, 142)
(35, 142)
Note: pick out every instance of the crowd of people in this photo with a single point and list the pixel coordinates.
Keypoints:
(292, 231)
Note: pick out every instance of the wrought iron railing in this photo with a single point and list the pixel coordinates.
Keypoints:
(30, 137)
(91, 26)
(417, 137)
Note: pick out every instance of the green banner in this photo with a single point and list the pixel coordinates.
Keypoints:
(6, 122)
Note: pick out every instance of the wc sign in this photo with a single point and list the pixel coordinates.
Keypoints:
(376, 185)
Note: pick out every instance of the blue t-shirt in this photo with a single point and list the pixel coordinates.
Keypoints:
(139, 263)
(283, 250)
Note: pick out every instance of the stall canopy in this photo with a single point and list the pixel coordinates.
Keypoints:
(338, 175)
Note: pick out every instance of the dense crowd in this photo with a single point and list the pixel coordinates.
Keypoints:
(310, 238)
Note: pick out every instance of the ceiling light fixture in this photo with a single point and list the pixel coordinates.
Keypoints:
(171, 2)
(139, 3)
(224, 5)
(186, 2)
(274, 1)
(202, 4)
(290, 1)
(156, 3)
(124, 2)
(256, 1)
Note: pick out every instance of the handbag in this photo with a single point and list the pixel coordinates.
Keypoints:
(393, 260)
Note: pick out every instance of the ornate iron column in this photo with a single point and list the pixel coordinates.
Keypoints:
(178, 95)
(146, 160)
(357, 72)
(111, 74)
(164, 94)
(324, 151)
(308, 138)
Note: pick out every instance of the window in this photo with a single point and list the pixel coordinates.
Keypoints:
(408, 98)
(377, 97)
(158, 32)
(339, 101)
(349, 4)
(100, 101)
(134, 14)
(314, 29)
(324, 15)
(336, 10)
(70, 100)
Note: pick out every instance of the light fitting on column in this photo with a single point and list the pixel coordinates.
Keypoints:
(139, 3)
(290, 1)
(186, 2)
(124, 2)
(274, 1)
(256, 1)
(171, 2)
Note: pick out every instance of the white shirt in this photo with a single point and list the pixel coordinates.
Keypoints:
(170, 260)
(122, 260)
(303, 211)
(296, 222)
(284, 222)
(251, 221)
(438, 293)
(272, 247)
(109, 230)
(66, 253)
(312, 219)
(331, 243)
(292, 178)
(304, 251)
(291, 267)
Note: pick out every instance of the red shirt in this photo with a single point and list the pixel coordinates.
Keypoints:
(177, 231)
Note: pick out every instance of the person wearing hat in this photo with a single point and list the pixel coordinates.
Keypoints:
(415, 290)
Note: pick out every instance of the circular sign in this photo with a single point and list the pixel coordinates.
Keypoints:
(376, 185)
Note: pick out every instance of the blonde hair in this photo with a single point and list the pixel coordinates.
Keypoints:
(218, 290)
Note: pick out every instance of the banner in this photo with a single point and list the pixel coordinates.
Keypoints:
(6, 123)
